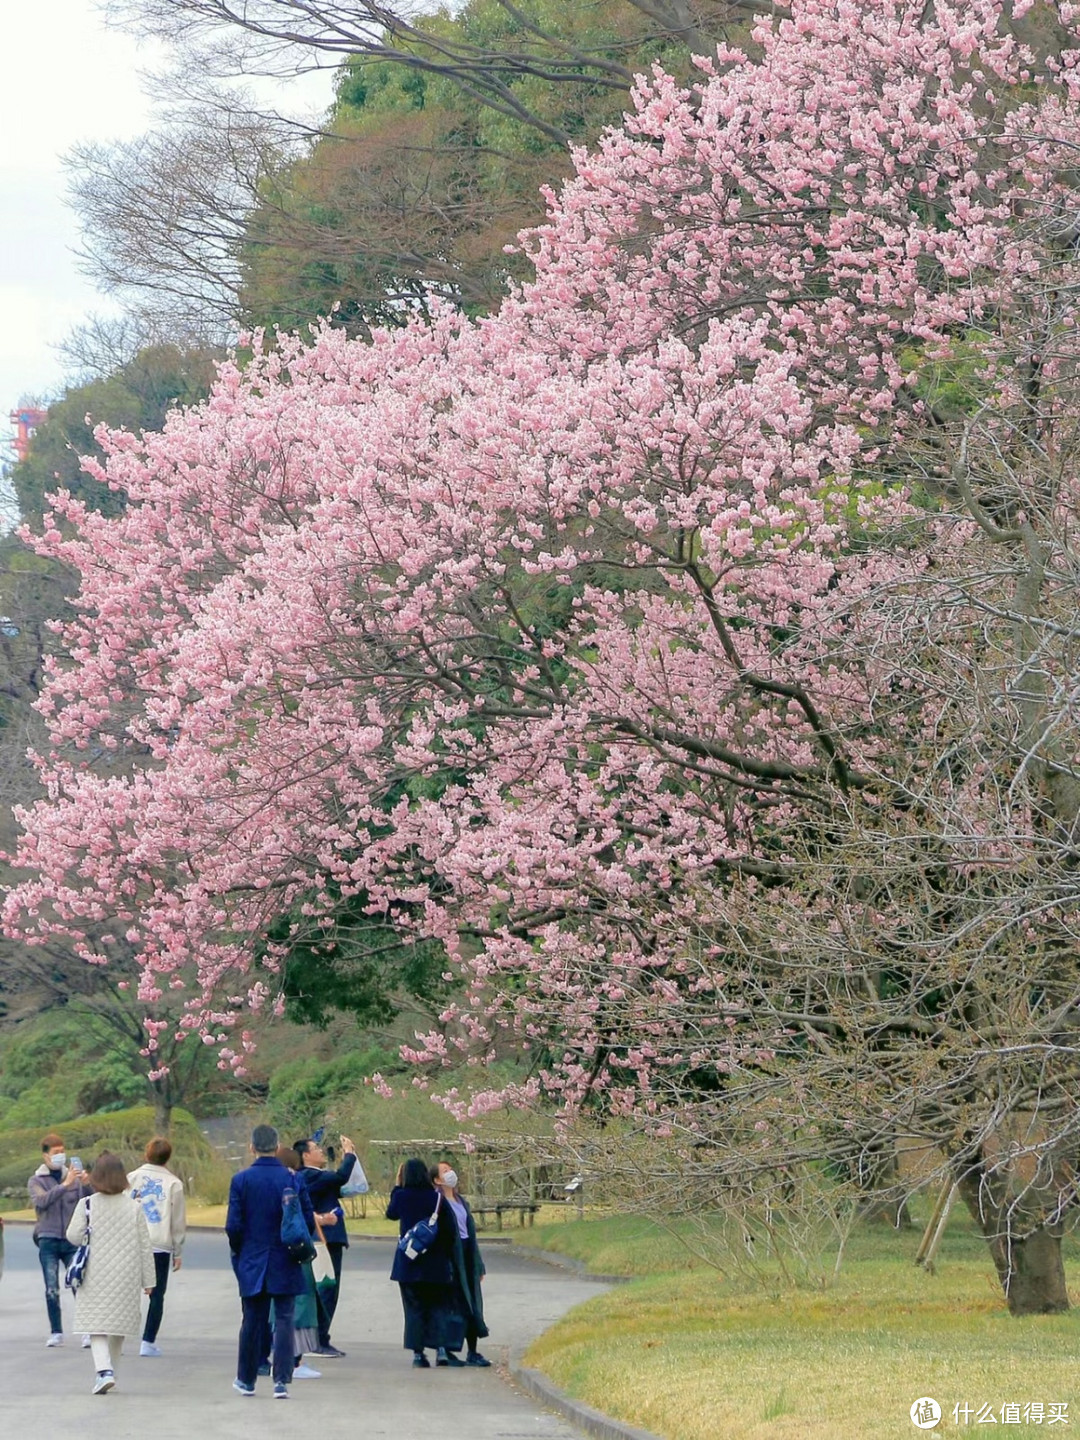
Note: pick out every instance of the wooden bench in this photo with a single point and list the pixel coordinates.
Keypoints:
(499, 1208)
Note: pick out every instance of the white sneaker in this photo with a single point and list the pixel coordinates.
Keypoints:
(54, 1339)
(305, 1372)
(104, 1383)
(146, 1347)
(86, 1342)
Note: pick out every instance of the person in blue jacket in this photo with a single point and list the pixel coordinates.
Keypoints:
(325, 1187)
(264, 1270)
(428, 1295)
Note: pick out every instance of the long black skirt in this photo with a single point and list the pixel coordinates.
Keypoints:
(432, 1318)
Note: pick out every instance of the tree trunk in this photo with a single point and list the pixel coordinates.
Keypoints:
(1029, 1264)
(163, 1108)
(1036, 1279)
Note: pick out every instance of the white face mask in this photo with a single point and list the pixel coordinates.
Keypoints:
(56, 1162)
(449, 1177)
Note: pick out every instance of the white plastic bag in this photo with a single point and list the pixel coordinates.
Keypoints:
(322, 1267)
(357, 1181)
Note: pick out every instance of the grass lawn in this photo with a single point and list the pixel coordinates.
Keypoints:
(214, 1217)
(373, 1224)
(694, 1356)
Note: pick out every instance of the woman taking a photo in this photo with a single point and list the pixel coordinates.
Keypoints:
(432, 1319)
(120, 1267)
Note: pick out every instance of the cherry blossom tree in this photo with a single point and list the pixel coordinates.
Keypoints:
(687, 648)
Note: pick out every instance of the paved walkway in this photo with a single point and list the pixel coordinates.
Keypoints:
(187, 1394)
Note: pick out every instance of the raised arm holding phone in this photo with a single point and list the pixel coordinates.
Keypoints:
(324, 1187)
(55, 1190)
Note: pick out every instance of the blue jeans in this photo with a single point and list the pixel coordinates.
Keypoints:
(53, 1253)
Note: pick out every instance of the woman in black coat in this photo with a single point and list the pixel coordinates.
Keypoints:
(466, 1260)
(433, 1320)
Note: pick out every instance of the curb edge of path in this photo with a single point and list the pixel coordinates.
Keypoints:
(592, 1422)
(566, 1262)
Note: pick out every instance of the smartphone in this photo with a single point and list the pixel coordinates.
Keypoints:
(76, 1163)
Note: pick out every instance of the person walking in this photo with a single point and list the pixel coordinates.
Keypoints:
(325, 1187)
(55, 1190)
(432, 1320)
(120, 1267)
(265, 1271)
(466, 1261)
(161, 1195)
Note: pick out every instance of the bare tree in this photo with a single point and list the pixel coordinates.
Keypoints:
(164, 217)
(104, 344)
(282, 37)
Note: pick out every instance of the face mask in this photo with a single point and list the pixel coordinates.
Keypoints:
(56, 1162)
(449, 1177)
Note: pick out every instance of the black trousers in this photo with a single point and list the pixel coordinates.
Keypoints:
(327, 1298)
(252, 1328)
(432, 1321)
(156, 1308)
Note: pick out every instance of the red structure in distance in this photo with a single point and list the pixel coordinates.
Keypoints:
(25, 419)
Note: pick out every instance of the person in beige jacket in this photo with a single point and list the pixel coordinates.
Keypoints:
(120, 1266)
(161, 1195)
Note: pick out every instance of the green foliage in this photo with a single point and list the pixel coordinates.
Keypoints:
(125, 1132)
(32, 592)
(356, 964)
(953, 385)
(68, 1062)
(304, 1092)
(138, 396)
(59, 1066)
(416, 189)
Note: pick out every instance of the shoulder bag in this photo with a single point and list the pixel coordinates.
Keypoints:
(295, 1235)
(419, 1238)
(75, 1273)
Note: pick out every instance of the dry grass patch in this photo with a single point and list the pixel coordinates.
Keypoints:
(692, 1357)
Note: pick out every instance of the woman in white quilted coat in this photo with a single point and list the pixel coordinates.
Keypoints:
(119, 1269)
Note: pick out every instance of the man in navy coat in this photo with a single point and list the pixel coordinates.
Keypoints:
(263, 1268)
(324, 1190)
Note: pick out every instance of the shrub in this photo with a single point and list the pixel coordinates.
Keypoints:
(124, 1131)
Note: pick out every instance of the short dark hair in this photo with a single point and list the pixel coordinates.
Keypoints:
(109, 1177)
(48, 1141)
(415, 1172)
(158, 1151)
(302, 1146)
(264, 1140)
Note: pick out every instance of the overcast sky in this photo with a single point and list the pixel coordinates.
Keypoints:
(64, 77)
